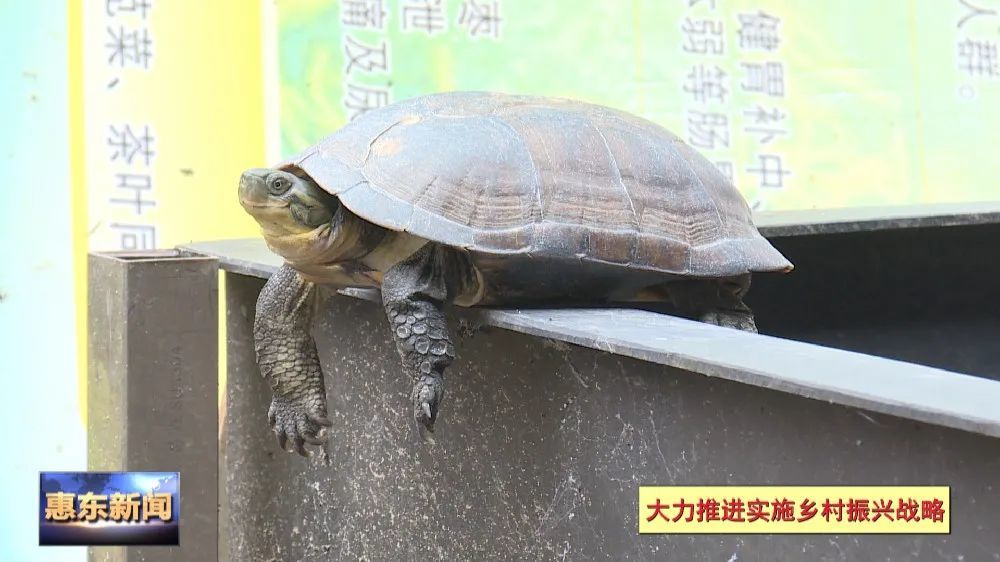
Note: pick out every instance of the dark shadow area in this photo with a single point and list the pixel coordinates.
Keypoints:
(923, 295)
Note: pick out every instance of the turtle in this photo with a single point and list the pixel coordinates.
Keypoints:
(483, 199)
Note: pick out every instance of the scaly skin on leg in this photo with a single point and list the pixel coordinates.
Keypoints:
(413, 293)
(716, 302)
(286, 354)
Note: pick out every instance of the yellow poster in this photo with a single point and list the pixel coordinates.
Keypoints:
(167, 110)
(173, 112)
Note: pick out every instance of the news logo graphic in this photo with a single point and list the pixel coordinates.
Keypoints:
(109, 508)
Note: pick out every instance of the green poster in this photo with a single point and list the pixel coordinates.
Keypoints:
(803, 104)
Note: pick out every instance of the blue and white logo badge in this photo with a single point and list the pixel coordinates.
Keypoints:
(109, 508)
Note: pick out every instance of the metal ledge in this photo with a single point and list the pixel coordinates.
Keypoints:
(881, 385)
(863, 219)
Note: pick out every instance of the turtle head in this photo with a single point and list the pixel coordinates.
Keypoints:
(283, 203)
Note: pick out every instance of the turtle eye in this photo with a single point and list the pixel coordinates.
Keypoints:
(279, 185)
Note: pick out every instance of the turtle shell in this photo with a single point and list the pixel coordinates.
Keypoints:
(541, 177)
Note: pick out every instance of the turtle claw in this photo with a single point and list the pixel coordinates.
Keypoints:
(300, 447)
(425, 425)
(297, 421)
(427, 394)
(320, 420)
(425, 417)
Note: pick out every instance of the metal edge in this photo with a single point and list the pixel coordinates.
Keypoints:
(862, 219)
(847, 378)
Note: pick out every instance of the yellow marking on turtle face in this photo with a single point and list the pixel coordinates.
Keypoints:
(321, 245)
(300, 247)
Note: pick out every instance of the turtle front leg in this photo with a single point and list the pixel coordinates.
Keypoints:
(287, 357)
(414, 292)
(717, 302)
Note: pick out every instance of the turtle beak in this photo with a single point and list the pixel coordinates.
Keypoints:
(253, 188)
